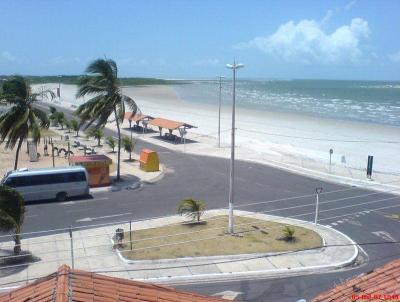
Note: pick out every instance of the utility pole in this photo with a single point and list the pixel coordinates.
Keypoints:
(72, 247)
(219, 111)
(318, 190)
(232, 166)
(59, 89)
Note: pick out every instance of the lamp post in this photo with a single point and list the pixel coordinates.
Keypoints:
(59, 88)
(232, 166)
(318, 190)
(219, 111)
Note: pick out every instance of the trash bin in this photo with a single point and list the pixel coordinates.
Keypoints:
(119, 235)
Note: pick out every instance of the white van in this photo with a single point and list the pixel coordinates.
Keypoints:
(49, 183)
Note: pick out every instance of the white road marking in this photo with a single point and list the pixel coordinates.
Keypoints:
(355, 222)
(384, 235)
(72, 202)
(334, 223)
(228, 295)
(86, 219)
(339, 221)
(29, 216)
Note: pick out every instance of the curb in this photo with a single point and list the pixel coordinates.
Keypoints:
(134, 186)
(157, 178)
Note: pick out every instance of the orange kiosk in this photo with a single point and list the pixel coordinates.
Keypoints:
(149, 161)
(97, 166)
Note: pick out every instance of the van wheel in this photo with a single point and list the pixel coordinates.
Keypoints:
(62, 196)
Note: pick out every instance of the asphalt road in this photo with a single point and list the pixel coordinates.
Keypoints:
(207, 178)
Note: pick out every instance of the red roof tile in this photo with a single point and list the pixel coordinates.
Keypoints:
(76, 285)
(381, 281)
(90, 158)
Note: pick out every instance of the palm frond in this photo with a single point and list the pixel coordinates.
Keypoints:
(44, 121)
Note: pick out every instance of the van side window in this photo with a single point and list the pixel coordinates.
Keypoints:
(10, 182)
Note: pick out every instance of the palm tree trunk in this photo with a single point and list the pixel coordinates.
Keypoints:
(17, 153)
(119, 145)
(17, 246)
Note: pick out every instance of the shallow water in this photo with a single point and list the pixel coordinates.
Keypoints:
(367, 101)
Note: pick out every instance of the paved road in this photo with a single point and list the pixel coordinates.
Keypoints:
(207, 178)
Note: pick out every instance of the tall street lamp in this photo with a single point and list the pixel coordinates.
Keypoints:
(231, 179)
(219, 111)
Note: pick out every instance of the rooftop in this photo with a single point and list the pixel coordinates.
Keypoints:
(90, 158)
(169, 124)
(76, 285)
(384, 280)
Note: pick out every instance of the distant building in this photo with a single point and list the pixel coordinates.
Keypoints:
(67, 285)
(380, 284)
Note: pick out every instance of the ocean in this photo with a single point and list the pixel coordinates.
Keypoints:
(365, 101)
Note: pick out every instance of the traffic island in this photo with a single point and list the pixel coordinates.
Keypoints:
(209, 238)
(329, 250)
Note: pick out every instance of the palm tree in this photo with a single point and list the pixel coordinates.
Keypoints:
(288, 233)
(192, 208)
(22, 117)
(106, 98)
(67, 124)
(12, 210)
(128, 146)
(59, 119)
(75, 126)
(96, 133)
(111, 143)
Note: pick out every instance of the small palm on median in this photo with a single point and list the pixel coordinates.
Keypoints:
(192, 208)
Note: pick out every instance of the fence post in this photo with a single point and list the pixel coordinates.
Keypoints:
(52, 152)
(72, 246)
(130, 232)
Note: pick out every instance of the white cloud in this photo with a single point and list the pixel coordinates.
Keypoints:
(306, 42)
(6, 56)
(327, 16)
(395, 57)
(350, 5)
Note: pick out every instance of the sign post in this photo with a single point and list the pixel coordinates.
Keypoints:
(369, 166)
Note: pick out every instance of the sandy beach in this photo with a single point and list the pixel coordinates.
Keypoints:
(291, 141)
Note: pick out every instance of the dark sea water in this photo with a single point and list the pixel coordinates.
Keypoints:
(366, 101)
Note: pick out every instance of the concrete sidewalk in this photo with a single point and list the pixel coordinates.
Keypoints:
(93, 251)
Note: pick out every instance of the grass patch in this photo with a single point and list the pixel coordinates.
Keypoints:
(255, 236)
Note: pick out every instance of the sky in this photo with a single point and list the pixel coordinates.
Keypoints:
(346, 39)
